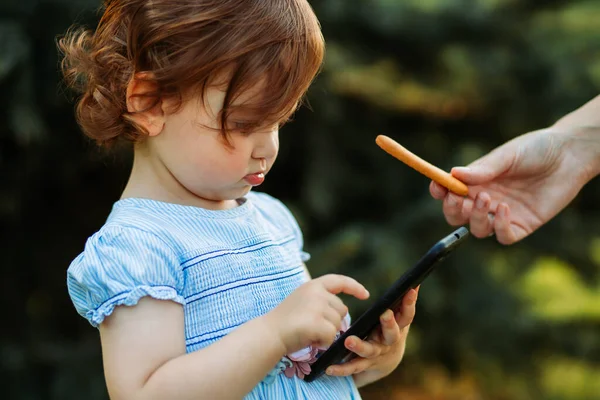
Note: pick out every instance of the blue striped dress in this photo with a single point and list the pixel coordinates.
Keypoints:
(225, 267)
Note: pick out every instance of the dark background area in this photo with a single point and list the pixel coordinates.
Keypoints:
(448, 79)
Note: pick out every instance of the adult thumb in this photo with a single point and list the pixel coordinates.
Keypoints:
(484, 169)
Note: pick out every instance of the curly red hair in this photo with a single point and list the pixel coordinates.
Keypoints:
(184, 45)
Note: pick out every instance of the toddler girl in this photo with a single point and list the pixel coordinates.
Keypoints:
(197, 285)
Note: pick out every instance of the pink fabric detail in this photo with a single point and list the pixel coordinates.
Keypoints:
(302, 359)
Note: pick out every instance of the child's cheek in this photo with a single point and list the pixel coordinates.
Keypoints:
(224, 167)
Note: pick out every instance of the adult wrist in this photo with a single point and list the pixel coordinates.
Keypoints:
(582, 127)
(591, 141)
(583, 144)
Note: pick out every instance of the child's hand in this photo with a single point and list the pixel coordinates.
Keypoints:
(313, 314)
(383, 351)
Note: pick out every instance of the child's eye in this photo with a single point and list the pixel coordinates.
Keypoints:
(243, 127)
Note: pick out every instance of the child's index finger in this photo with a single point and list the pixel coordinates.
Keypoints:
(336, 284)
(429, 170)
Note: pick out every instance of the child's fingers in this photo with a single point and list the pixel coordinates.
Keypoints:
(328, 330)
(354, 366)
(389, 328)
(362, 348)
(407, 312)
(335, 284)
(332, 315)
(338, 305)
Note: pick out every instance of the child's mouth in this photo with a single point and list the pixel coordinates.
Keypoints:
(255, 179)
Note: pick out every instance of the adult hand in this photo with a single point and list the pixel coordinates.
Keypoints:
(520, 185)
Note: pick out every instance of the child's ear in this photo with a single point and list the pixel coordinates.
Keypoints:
(144, 103)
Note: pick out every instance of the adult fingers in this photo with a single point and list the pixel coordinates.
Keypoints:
(452, 208)
(437, 191)
(480, 223)
(505, 234)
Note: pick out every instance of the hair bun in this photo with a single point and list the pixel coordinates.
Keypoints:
(98, 71)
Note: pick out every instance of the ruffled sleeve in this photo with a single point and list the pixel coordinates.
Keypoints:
(118, 267)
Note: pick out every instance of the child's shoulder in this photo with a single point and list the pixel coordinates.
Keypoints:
(129, 227)
(131, 256)
(278, 214)
(271, 207)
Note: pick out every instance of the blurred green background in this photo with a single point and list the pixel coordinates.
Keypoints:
(448, 79)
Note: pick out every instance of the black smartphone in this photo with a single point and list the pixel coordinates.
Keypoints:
(362, 327)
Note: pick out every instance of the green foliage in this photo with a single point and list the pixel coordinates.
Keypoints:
(450, 80)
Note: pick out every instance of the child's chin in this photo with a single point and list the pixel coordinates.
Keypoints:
(244, 191)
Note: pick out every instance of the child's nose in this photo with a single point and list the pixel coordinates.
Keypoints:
(267, 146)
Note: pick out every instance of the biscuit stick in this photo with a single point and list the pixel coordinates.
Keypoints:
(431, 171)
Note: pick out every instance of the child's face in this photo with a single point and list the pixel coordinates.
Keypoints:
(198, 159)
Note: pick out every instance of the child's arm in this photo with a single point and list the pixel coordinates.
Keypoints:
(145, 356)
(144, 345)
